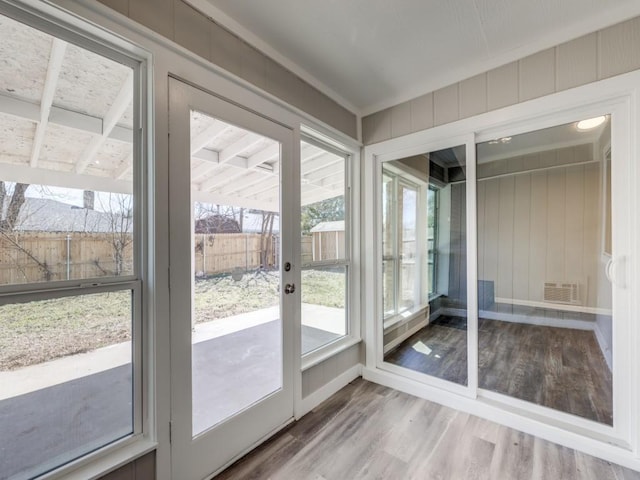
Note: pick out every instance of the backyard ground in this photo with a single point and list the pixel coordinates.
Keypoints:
(36, 332)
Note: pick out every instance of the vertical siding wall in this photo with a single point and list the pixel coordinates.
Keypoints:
(541, 226)
(596, 56)
(178, 21)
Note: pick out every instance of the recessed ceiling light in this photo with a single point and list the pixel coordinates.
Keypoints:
(590, 123)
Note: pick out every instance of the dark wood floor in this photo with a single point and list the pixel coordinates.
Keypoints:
(560, 368)
(366, 431)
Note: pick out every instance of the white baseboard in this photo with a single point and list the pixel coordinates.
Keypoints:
(545, 322)
(316, 398)
(605, 348)
(554, 306)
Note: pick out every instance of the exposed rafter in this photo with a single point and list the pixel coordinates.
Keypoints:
(58, 47)
(248, 181)
(19, 108)
(211, 133)
(125, 167)
(55, 178)
(272, 152)
(217, 199)
(117, 109)
(236, 148)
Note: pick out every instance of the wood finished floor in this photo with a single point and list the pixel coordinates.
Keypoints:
(367, 431)
(560, 368)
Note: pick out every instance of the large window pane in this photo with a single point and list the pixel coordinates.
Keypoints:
(424, 263)
(66, 385)
(67, 213)
(545, 319)
(66, 118)
(324, 246)
(237, 326)
(324, 296)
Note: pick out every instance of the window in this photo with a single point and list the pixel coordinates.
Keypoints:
(325, 244)
(70, 256)
(407, 239)
(432, 238)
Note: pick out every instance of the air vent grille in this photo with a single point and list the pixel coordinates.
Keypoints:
(562, 292)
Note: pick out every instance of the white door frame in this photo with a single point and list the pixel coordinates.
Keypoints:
(618, 96)
(213, 450)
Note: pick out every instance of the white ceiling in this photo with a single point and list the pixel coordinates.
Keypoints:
(371, 54)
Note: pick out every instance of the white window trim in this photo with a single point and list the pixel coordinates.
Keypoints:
(60, 24)
(352, 300)
(619, 94)
(173, 60)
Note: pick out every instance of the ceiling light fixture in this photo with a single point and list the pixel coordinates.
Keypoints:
(590, 123)
(500, 140)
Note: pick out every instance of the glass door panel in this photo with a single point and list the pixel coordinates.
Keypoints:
(231, 302)
(237, 330)
(424, 272)
(545, 302)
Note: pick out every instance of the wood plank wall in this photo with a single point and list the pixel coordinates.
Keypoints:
(596, 56)
(540, 226)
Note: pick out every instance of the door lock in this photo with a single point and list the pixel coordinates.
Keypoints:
(289, 288)
(287, 266)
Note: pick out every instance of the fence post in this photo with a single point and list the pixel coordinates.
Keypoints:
(204, 254)
(68, 256)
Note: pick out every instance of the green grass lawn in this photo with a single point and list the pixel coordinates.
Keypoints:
(32, 333)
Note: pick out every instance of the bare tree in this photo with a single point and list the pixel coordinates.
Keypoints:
(266, 238)
(119, 217)
(16, 201)
(12, 199)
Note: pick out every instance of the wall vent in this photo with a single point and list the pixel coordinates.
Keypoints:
(562, 292)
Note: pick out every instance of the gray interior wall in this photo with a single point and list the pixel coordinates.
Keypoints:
(596, 56)
(180, 22)
(321, 374)
(540, 226)
(457, 296)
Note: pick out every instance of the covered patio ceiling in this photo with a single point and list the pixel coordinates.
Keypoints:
(66, 120)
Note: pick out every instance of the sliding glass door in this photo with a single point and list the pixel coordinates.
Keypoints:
(503, 268)
(424, 273)
(546, 316)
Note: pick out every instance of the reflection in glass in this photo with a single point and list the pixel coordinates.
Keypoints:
(543, 293)
(424, 263)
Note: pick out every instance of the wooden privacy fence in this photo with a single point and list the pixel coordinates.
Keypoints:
(33, 257)
(39, 256)
(226, 252)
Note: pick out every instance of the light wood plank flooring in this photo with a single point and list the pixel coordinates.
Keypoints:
(367, 431)
(560, 368)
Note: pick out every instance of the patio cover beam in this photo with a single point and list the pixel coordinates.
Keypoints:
(115, 112)
(26, 110)
(58, 48)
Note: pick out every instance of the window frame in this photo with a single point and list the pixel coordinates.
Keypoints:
(421, 295)
(352, 325)
(433, 291)
(79, 32)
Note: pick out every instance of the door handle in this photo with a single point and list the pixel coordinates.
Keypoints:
(616, 271)
(289, 288)
(607, 270)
